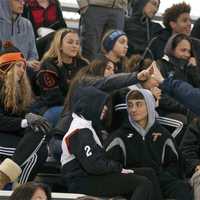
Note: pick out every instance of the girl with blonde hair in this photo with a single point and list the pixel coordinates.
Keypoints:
(59, 64)
(17, 126)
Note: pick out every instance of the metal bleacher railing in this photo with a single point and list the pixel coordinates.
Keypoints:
(4, 195)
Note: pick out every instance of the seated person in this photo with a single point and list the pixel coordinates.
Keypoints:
(190, 147)
(23, 134)
(58, 66)
(147, 144)
(31, 190)
(44, 13)
(85, 167)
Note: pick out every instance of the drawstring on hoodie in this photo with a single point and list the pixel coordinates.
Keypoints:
(18, 27)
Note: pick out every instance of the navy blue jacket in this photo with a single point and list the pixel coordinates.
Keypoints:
(183, 92)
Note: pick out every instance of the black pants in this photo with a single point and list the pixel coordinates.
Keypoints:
(129, 185)
(151, 175)
(179, 190)
(94, 23)
(28, 151)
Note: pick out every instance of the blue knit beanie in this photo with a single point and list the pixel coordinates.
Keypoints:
(110, 39)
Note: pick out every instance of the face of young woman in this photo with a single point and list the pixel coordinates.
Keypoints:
(183, 50)
(121, 46)
(39, 195)
(70, 45)
(20, 68)
(110, 69)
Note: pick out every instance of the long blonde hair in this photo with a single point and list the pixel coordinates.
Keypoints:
(16, 94)
(55, 48)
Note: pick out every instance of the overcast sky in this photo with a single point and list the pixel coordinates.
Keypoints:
(195, 12)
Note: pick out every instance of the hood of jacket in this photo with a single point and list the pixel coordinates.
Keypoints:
(88, 102)
(5, 11)
(151, 105)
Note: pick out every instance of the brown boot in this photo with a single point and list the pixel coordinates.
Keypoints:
(3, 180)
(9, 171)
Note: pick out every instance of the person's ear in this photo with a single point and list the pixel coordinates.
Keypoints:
(172, 24)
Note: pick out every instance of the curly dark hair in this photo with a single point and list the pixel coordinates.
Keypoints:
(172, 13)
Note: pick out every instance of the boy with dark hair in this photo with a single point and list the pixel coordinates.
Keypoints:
(175, 14)
(147, 144)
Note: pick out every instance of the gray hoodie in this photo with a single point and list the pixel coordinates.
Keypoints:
(20, 31)
(151, 104)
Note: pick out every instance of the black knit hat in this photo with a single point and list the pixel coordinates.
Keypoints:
(9, 55)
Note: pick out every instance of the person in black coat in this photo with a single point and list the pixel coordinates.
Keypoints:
(139, 27)
(23, 134)
(142, 142)
(179, 61)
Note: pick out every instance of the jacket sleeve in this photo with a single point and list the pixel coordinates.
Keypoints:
(9, 124)
(171, 105)
(117, 81)
(184, 93)
(91, 155)
(190, 147)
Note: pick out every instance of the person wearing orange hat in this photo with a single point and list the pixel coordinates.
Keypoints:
(17, 126)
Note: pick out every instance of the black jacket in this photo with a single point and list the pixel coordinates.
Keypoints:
(196, 29)
(140, 29)
(83, 154)
(53, 82)
(161, 154)
(190, 147)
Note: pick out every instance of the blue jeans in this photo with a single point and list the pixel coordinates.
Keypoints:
(53, 114)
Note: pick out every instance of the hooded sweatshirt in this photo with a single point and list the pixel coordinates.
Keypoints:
(177, 67)
(151, 146)
(140, 29)
(82, 151)
(19, 31)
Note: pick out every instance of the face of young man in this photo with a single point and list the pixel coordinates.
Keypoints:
(17, 6)
(182, 24)
(137, 110)
(151, 8)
